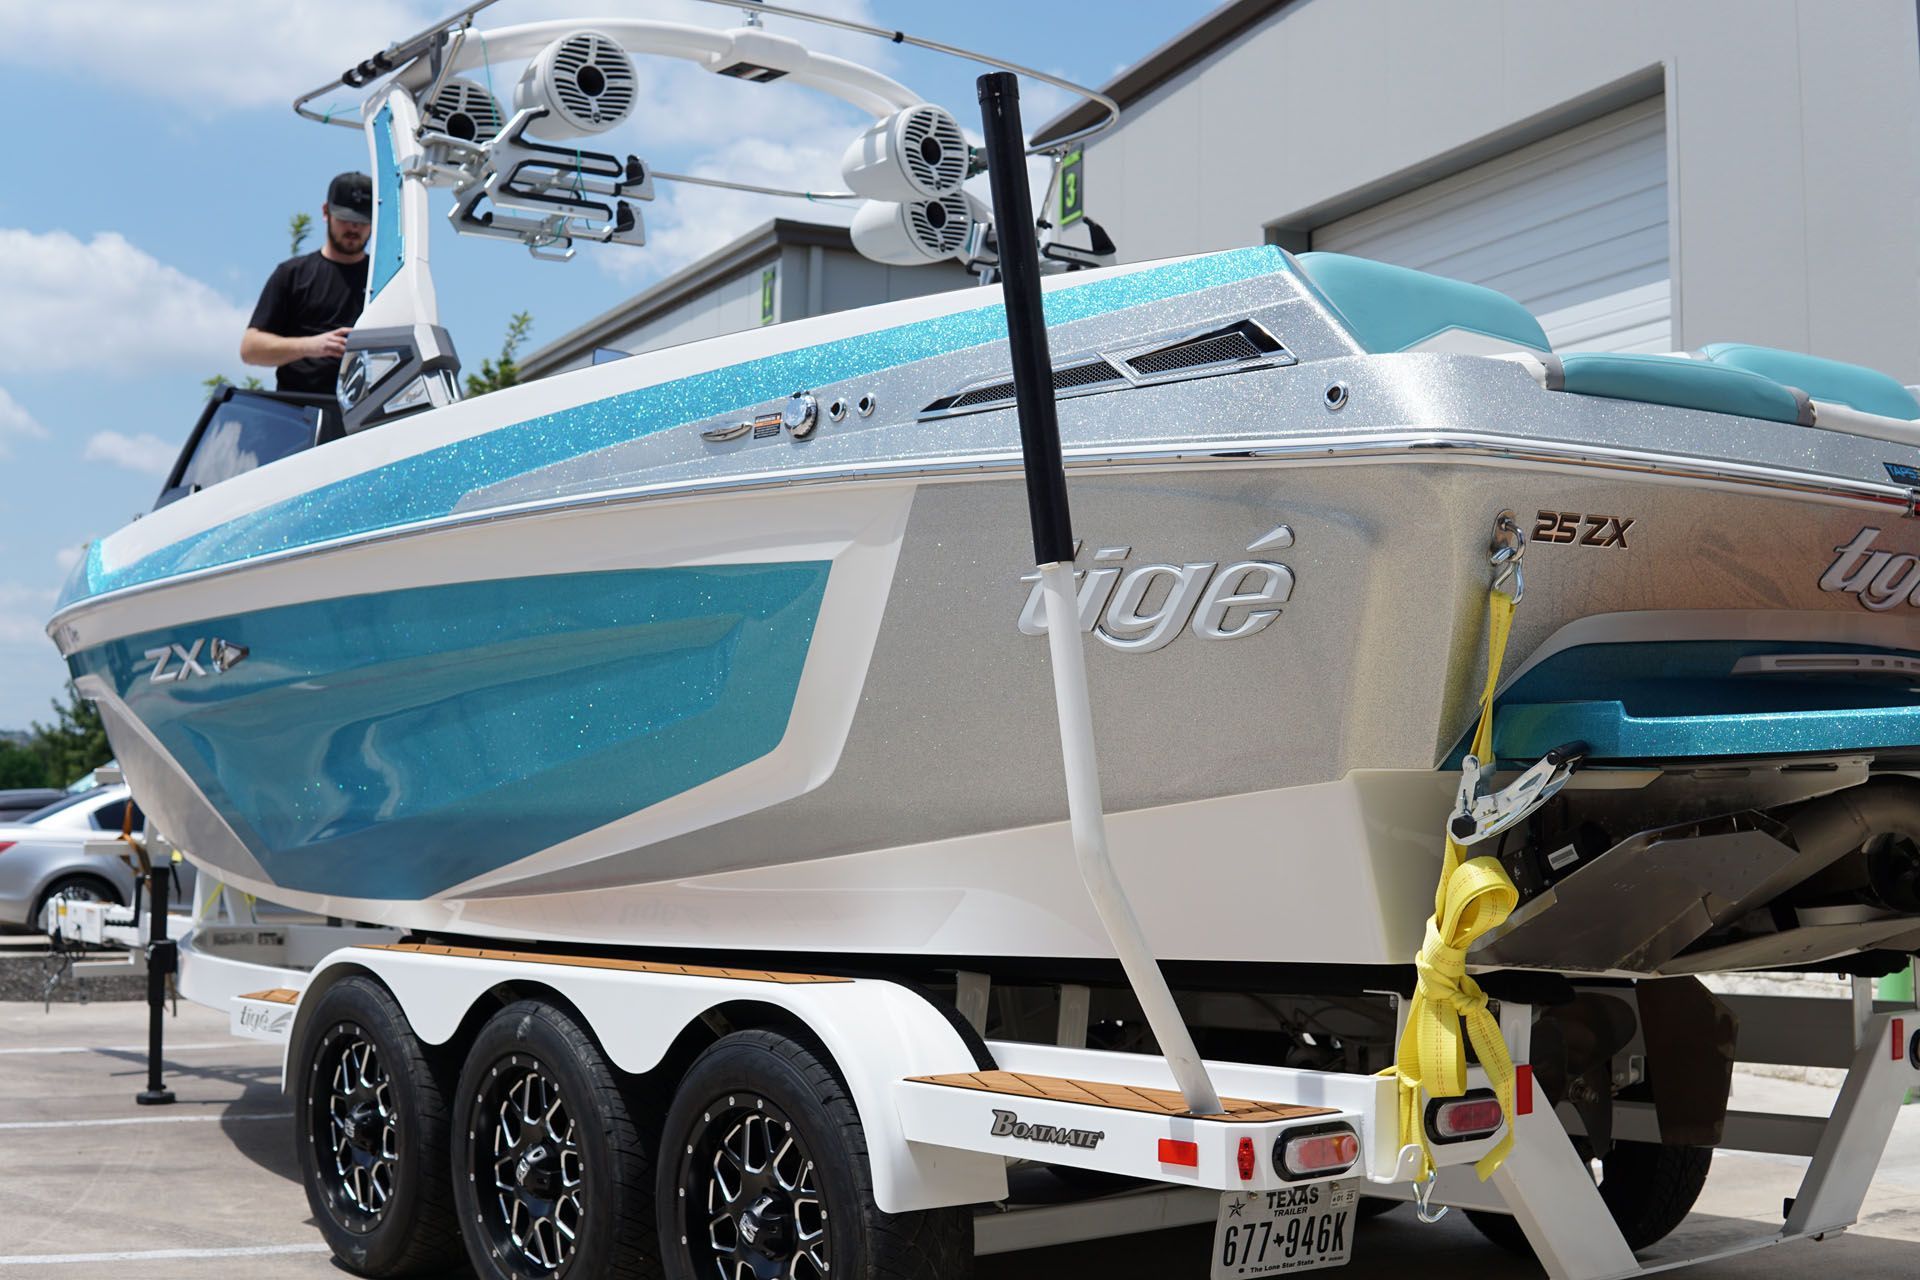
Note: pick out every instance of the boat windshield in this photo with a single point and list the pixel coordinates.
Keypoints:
(242, 430)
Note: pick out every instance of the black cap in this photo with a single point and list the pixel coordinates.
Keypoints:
(350, 197)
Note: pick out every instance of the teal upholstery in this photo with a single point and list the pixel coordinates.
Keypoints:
(1678, 381)
(1389, 308)
(1855, 386)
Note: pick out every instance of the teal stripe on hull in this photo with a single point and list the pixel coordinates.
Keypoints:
(393, 745)
(1610, 732)
(1682, 700)
(433, 483)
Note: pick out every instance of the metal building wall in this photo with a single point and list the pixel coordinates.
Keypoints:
(1793, 142)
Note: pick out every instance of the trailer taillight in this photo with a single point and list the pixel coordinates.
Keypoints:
(1463, 1119)
(1246, 1159)
(7, 844)
(1315, 1152)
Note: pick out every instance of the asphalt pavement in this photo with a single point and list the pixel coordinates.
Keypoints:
(91, 1185)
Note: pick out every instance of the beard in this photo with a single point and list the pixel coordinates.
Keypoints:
(342, 247)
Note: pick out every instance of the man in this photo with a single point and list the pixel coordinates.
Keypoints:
(301, 322)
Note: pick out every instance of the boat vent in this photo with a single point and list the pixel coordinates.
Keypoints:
(1068, 379)
(1234, 345)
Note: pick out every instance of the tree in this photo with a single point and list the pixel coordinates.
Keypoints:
(19, 767)
(298, 228)
(219, 380)
(74, 744)
(493, 376)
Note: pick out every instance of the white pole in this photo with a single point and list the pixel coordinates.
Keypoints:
(1090, 844)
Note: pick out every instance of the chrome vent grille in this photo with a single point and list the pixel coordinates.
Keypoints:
(594, 79)
(935, 150)
(1072, 378)
(1244, 344)
(1231, 346)
(464, 110)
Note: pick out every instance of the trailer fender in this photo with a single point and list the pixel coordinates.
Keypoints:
(877, 1032)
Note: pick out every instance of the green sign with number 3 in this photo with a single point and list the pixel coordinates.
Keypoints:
(1073, 189)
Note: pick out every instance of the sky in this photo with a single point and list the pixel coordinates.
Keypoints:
(154, 163)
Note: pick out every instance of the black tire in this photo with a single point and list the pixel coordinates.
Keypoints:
(552, 1175)
(813, 1170)
(1648, 1188)
(370, 1122)
(87, 888)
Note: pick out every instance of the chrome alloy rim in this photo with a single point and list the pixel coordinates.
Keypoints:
(362, 1131)
(751, 1202)
(527, 1168)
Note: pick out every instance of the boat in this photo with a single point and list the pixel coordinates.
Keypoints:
(737, 646)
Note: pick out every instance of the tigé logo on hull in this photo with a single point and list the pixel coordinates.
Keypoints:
(1141, 608)
(1880, 580)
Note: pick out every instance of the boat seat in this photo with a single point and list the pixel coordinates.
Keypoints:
(1388, 308)
(1679, 381)
(1833, 381)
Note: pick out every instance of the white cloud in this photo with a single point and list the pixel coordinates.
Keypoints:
(149, 455)
(688, 222)
(23, 613)
(223, 54)
(16, 421)
(210, 54)
(66, 557)
(103, 304)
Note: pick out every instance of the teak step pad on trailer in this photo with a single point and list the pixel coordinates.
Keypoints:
(274, 995)
(602, 962)
(1121, 1097)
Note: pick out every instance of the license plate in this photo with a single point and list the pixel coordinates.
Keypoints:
(1271, 1233)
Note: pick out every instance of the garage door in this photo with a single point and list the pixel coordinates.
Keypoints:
(1573, 227)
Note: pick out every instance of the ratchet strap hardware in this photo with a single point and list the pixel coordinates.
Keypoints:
(1474, 896)
(1481, 813)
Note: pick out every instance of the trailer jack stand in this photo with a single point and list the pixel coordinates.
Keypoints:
(163, 959)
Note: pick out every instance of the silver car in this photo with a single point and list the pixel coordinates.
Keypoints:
(70, 847)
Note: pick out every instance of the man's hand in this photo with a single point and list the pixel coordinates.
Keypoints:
(327, 346)
(271, 350)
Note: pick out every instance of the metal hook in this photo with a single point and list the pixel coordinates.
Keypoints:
(1508, 549)
(1422, 1197)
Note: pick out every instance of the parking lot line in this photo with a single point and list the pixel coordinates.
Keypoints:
(156, 1255)
(135, 1048)
(94, 1124)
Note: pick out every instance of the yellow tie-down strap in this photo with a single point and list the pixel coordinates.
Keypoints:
(1474, 895)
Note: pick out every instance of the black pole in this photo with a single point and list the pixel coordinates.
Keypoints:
(161, 962)
(1026, 320)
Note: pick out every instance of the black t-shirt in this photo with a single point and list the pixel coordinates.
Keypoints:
(307, 295)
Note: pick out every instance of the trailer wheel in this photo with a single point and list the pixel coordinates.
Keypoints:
(552, 1176)
(371, 1126)
(764, 1172)
(1648, 1188)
